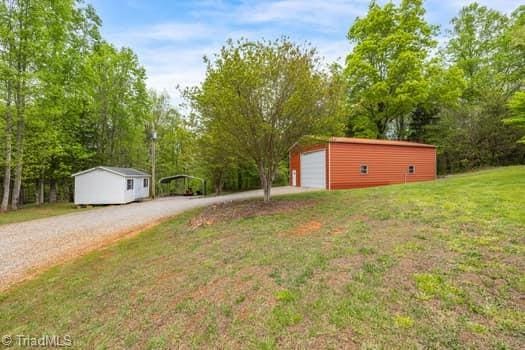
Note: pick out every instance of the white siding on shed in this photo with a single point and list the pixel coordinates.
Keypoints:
(99, 187)
(138, 191)
(103, 185)
(313, 169)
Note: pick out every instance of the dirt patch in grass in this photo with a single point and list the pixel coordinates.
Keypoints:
(225, 212)
(307, 228)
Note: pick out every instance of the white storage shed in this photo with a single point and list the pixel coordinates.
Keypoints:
(110, 185)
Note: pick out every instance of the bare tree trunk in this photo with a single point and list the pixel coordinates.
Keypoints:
(37, 194)
(19, 163)
(22, 197)
(71, 192)
(20, 130)
(7, 174)
(266, 182)
(53, 191)
(267, 190)
(219, 183)
(40, 190)
(267, 175)
(8, 153)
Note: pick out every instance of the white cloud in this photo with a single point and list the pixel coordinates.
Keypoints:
(506, 6)
(169, 31)
(172, 51)
(177, 31)
(325, 15)
(173, 66)
(333, 51)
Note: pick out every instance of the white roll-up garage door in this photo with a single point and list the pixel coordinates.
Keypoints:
(313, 168)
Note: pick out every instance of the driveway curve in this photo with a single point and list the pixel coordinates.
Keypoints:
(28, 247)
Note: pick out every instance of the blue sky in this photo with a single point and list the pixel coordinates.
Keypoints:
(171, 37)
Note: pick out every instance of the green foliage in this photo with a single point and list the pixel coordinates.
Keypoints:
(400, 87)
(434, 285)
(517, 107)
(259, 98)
(176, 142)
(285, 296)
(115, 116)
(484, 47)
(68, 99)
(386, 70)
(404, 321)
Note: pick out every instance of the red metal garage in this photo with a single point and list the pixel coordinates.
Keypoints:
(343, 162)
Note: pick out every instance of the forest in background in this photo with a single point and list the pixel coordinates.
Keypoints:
(70, 100)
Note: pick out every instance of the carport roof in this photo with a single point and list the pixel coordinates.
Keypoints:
(179, 176)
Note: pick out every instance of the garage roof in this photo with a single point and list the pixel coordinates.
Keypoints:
(379, 142)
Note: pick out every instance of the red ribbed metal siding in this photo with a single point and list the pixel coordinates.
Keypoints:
(387, 164)
(295, 164)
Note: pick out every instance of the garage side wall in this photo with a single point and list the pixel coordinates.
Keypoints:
(295, 161)
(387, 164)
(138, 191)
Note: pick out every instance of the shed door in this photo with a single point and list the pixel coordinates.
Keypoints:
(313, 169)
(137, 186)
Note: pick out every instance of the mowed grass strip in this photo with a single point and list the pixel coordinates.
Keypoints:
(32, 212)
(432, 265)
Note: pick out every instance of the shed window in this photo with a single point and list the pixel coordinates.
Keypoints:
(364, 169)
(129, 184)
(411, 169)
(145, 182)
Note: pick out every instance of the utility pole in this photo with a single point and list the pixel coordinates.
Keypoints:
(153, 160)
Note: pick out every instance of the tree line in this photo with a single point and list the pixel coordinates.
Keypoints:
(465, 96)
(70, 100)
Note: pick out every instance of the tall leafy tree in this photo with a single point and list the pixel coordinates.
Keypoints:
(68, 100)
(481, 46)
(117, 106)
(33, 43)
(517, 107)
(54, 147)
(218, 158)
(261, 97)
(6, 76)
(21, 26)
(476, 47)
(175, 138)
(386, 69)
(516, 37)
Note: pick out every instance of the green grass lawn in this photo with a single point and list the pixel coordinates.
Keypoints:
(31, 212)
(428, 265)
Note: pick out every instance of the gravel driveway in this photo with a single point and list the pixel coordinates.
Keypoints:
(28, 247)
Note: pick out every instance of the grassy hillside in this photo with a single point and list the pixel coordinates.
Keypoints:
(437, 265)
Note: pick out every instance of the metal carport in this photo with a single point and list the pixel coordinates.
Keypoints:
(168, 179)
